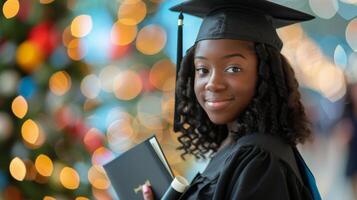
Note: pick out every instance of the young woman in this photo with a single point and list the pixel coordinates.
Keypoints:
(237, 100)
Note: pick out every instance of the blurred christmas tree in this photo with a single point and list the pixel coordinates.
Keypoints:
(80, 82)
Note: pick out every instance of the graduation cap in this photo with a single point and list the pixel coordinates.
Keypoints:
(250, 20)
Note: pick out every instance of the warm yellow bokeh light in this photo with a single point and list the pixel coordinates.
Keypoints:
(351, 34)
(19, 107)
(17, 169)
(75, 50)
(67, 37)
(151, 39)
(44, 165)
(161, 72)
(82, 198)
(60, 83)
(122, 34)
(97, 178)
(29, 56)
(81, 25)
(11, 8)
(331, 83)
(69, 178)
(39, 142)
(101, 156)
(127, 85)
(30, 131)
(132, 13)
(48, 198)
(46, 1)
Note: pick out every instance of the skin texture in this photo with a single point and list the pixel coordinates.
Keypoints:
(225, 81)
(225, 78)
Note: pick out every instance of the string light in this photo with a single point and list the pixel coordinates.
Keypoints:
(11, 8)
(19, 106)
(17, 169)
(30, 131)
(44, 165)
(69, 178)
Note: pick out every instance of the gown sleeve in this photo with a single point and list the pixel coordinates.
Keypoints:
(254, 174)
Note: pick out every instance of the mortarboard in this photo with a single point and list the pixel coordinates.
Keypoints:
(250, 20)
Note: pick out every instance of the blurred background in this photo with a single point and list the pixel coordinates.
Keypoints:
(82, 81)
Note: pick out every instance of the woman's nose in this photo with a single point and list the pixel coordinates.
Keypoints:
(215, 82)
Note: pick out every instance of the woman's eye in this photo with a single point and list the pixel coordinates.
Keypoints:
(233, 69)
(201, 70)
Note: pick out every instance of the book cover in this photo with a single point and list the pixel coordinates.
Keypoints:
(143, 163)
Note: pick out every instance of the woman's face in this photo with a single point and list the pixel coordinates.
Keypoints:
(225, 77)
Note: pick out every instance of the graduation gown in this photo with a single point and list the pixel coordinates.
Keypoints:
(261, 167)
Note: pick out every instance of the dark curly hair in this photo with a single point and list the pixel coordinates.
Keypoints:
(275, 109)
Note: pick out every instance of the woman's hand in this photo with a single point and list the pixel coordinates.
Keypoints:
(147, 192)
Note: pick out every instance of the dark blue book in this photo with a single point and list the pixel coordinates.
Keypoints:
(144, 163)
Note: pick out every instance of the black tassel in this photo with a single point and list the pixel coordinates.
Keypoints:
(178, 64)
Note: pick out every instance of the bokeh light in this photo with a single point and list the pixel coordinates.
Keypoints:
(101, 194)
(325, 9)
(11, 8)
(351, 34)
(162, 75)
(76, 51)
(8, 81)
(30, 131)
(93, 139)
(6, 126)
(27, 87)
(60, 83)
(98, 178)
(331, 82)
(132, 13)
(127, 85)
(90, 86)
(102, 156)
(19, 107)
(107, 77)
(17, 169)
(46, 1)
(122, 34)
(69, 178)
(81, 25)
(49, 198)
(150, 113)
(39, 142)
(340, 57)
(67, 36)
(120, 133)
(29, 56)
(81, 198)
(44, 165)
(151, 39)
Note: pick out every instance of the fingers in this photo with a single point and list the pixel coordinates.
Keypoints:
(147, 193)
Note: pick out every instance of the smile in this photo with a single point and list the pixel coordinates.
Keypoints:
(217, 104)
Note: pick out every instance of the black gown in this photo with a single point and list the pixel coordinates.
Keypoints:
(251, 171)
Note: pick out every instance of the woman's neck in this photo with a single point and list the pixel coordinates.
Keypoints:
(232, 135)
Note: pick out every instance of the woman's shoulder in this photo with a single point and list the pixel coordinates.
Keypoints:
(262, 149)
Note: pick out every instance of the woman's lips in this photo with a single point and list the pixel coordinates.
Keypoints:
(217, 104)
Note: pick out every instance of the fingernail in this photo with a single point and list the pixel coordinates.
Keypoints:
(146, 189)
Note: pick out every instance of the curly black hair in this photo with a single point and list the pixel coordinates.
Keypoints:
(275, 109)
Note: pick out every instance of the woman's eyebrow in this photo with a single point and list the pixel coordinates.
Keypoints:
(233, 55)
(200, 57)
